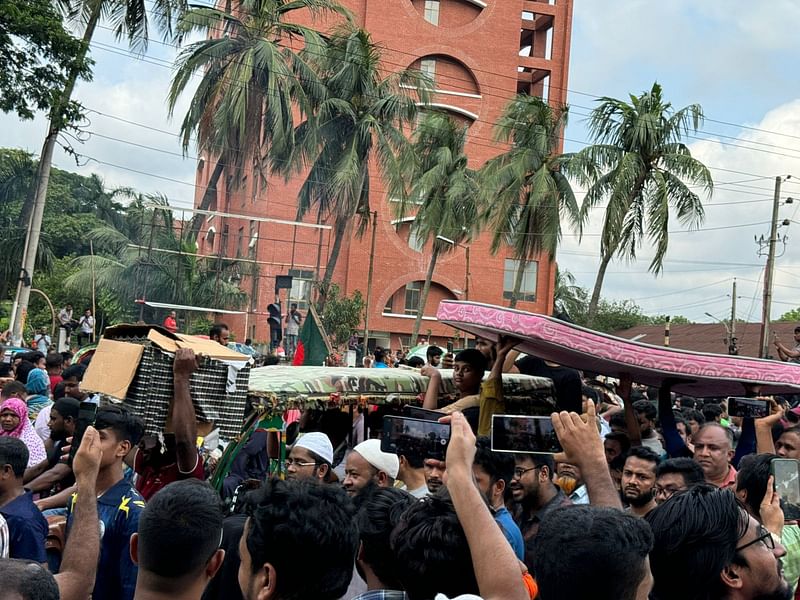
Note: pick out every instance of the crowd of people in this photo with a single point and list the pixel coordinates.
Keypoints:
(653, 495)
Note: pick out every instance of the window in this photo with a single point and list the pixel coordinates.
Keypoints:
(413, 291)
(527, 291)
(239, 241)
(211, 235)
(301, 287)
(432, 11)
(428, 67)
(254, 297)
(253, 244)
(389, 305)
(243, 188)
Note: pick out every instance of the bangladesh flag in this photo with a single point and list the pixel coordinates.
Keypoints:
(313, 346)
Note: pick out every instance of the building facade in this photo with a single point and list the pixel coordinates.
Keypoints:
(479, 53)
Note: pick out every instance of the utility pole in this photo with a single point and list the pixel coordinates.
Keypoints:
(768, 273)
(369, 281)
(732, 349)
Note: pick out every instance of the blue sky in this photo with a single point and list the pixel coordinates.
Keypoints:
(733, 57)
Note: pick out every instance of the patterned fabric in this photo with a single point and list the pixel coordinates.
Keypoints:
(24, 431)
(790, 539)
(570, 345)
(4, 544)
(382, 595)
(151, 392)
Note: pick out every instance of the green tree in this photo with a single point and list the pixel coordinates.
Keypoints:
(642, 169)
(249, 86)
(443, 193)
(568, 296)
(342, 314)
(357, 120)
(526, 192)
(792, 315)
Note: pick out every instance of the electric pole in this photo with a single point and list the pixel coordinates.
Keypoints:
(369, 281)
(732, 342)
(768, 272)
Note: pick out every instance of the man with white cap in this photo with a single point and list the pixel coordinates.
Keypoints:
(311, 458)
(366, 464)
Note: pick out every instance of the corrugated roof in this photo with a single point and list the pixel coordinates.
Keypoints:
(709, 337)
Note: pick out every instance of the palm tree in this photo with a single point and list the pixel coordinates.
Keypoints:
(250, 82)
(640, 166)
(358, 117)
(526, 191)
(443, 190)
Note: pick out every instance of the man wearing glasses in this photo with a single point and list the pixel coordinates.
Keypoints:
(311, 458)
(676, 475)
(536, 495)
(708, 546)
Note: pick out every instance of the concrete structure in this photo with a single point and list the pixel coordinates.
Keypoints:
(479, 53)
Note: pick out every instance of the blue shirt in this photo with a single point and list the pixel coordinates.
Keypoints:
(380, 365)
(510, 529)
(27, 529)
(118, 510)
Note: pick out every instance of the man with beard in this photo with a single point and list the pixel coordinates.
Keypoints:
(639, 479)
(52, 472)
(434, 474)
(367, 463)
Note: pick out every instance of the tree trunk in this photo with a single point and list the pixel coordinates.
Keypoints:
(598, 284)
(208, 197)
(423, 298)
(338, 231)
(523, 262)
(39, 196)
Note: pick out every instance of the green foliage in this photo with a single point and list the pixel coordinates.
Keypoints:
(37, 55)
(342, 314)
(793, 315)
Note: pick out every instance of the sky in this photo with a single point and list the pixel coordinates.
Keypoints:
(733, 57)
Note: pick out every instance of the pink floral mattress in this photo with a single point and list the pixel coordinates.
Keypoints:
(580, 348)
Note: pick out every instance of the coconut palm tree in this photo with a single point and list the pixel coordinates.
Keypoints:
(526, 193)
(640, 166)
(443, 192)
(250, 82)
(358, 117)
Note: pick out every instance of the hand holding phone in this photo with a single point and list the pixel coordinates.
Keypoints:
(524, 434)
(415, 437)
(753, 408)
(87, 411)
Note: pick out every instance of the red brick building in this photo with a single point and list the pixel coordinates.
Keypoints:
(479, 54)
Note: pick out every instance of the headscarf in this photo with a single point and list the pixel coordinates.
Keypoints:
(24, 431)
(38, 386)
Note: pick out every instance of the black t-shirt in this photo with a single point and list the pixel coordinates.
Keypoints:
(225, 585)
(566, 381)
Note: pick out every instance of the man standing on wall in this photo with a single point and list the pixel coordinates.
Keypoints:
(293, 320)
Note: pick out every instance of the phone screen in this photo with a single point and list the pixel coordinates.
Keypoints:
(415, 437)
(425, 414)
(747, 407)
(524, 434)
(787, 480)
(87, 411)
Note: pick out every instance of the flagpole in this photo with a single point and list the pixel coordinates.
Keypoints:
(369, 281)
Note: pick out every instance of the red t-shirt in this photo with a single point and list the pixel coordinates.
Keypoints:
(54, 381)
(151, 480)
(170, 324)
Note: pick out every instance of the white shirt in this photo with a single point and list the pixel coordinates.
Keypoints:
(41, 425)
(87, 324)
(42, 343)
(580, 495)
(65, 316)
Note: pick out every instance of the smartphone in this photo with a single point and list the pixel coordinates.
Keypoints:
(415, 437)
(424, 414)
(787, 484)
(524, 434)
(747, 407)
(87, 411)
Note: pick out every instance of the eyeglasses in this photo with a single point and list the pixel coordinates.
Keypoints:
(765, 537)
(519, 471)
(291, 461)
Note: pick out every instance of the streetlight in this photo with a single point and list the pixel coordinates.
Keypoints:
(730, 340)
(466, 260)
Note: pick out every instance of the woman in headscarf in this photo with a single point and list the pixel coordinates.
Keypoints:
(14, 422)
(38, 388)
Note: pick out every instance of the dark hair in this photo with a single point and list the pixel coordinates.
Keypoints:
(691, 472)
(27, 579)
(23, 369)
(415, 460)
(618, 419)
(125, 425)
(680, 420)
(711, 412)
(14, 389)
(498, 465)
(248, 341)
(5, 368)
(474, 358)
(32, 356)
(77, 371)
(14, 452)
(594, 552)
(379, 512)
(433, 351)
(416, 362)
(643, 453)
(646, 408)
(217, 329)
(695, 535)
(297, 523)
(59, 390)
(53, 360)
(67, 407)
(380, 354)
(539, 460)
(430, 547)
(754, 471)
(692, 414)
(66, 355)
(687, 402)
(179, 531)
(590, 393)
(618, 464)
(622, 439)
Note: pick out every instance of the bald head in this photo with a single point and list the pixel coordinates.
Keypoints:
(713, 451)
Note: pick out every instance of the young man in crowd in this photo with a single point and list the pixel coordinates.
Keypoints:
(380, 359)
(434, 356)
(493, 473)
(310, 458)
(293, 322)
(434, 470)
(646, 415)
(639, 479)
(412, 474)
(26, 526)
(676, 475)
(368, 463)
(299, 542)
(220, 333)
(616, 444)
(713, 451)
(54, 363)
(54, 474)
(707, 546)
(73, 375)
(177, 545)
(86, 327)
(119, 504)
